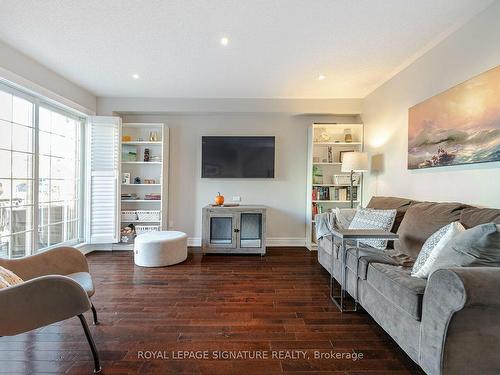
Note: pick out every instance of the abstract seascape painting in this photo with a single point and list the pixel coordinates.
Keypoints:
(458, 126)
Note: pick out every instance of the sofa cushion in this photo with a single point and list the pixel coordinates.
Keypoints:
(366, 256)
(398, 287)
(391, 203)
(421, 221)
(472, 216)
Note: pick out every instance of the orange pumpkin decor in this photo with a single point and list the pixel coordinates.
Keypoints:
(219, 199)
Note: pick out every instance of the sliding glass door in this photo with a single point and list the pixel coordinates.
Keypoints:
(40, 175)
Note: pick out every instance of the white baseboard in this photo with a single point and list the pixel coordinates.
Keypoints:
(271, 242)
(194, 241)
(286, 241)
(86, 248)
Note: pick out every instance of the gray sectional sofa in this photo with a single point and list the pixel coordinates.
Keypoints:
(448, 324)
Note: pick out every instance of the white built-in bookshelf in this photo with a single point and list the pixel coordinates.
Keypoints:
(327, 186)
(136, 195)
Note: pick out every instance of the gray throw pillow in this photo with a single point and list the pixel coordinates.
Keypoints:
(367, 218)
(475, 247)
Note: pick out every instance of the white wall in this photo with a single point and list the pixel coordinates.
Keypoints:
(285, 194)
(468, 52)
(31, 75)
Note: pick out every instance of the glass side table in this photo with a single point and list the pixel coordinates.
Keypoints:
(342, 236)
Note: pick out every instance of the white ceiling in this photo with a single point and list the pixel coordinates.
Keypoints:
(277, 48)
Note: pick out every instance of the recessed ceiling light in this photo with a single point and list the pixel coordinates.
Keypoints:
(135, 76)
(321, 77)
(224, 41)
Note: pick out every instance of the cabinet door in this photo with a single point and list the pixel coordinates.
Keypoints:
(222, 230)
(103, 170)
(250, 234)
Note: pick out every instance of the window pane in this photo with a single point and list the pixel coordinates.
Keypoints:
(44, 190)
(4, 247)
(44, 166)
(22, 138)
(44, 116)
(5, 164)
(21, 165)
(44, 143)
(56, 234)
(22, 218)
(61, 168)
(20, 242)
(71, 230)
(72, 210)
(4, 221)
(5, 193)
(22, 111)
(56, 213)
(59, 124)
(5, 133)
(5, 106)
(59, 146)
(43, 215)
(57, 190)
(22, 192)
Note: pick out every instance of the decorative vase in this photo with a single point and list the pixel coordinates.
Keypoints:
(146, 154)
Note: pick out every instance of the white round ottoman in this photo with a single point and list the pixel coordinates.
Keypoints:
(159, 249)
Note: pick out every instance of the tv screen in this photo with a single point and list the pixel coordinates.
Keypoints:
(237, 157)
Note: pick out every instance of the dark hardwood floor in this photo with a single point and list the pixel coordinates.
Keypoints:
(275, 305)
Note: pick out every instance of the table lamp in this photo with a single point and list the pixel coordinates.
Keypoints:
(354, 162)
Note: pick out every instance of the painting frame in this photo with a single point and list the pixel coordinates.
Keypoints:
(459, 126)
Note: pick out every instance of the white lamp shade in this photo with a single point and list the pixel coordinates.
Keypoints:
(355, 161)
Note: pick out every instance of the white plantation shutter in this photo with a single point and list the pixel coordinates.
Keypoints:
(103, 172)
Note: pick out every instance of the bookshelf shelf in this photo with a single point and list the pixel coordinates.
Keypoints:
(141, 184)
(140, 200)
(142, 162)
(326, 146)
(333, 185)
(327, 163)
(334, 201)
(338, 143)
(142, 143)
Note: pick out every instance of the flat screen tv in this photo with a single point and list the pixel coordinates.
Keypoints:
(237, 157)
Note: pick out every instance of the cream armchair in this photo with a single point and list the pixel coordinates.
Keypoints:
(57, 286)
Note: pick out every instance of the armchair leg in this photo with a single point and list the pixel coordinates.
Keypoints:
(94, 313)
(95, 354)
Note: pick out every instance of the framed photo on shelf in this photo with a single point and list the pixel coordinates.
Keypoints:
(126, 178)
(341, 154)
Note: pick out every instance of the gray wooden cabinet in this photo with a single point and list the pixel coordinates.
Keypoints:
(234, 230)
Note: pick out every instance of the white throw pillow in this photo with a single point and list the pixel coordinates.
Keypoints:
(368, 218)
(433, 246)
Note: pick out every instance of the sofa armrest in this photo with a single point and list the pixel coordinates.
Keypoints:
(460, 331)
(58, 261)
(39, 302)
